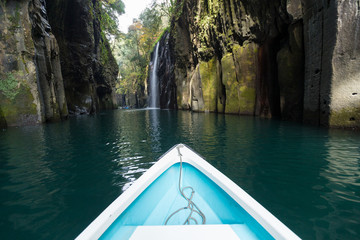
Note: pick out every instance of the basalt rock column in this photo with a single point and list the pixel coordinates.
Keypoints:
(88, 66)
(31, 85)
(47, 59)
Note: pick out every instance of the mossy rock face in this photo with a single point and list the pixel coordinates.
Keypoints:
(245, 59)
(19, 107)
(209, 83)
(196, 94)
(231, 84)
(238, 77)
(247, 100)
(88, 67)
(19, 96)
(346, 117)
(182, 89)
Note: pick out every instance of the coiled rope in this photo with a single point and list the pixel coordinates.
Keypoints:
(191, 205)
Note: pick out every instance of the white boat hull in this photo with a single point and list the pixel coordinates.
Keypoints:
(263, 217)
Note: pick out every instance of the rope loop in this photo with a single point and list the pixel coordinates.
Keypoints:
(191, 205)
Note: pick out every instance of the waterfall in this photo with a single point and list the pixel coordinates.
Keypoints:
(154, 99)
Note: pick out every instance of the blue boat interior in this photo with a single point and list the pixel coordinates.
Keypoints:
(162, 198)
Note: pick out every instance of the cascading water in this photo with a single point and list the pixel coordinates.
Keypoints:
(154, 99)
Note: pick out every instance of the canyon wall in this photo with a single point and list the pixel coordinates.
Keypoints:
(54, 60)
(31, 84)
(88, 66)
(295, 60)
(234, 57)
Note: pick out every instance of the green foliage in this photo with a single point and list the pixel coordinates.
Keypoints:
(133, 49)
(172, 8)
(151, 18)
(109, 10)
(115, 5)
(9, 86)
(132, 63)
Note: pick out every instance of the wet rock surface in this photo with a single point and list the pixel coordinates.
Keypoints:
(54, 61)
(295, 60)
(31, 85)
(87, 64)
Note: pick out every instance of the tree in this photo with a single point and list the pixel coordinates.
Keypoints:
(172, 8)
(110, 10)
(151, 19)
(133, 49)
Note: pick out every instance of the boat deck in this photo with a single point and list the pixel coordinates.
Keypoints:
(154, 208)
(193, 232)
(147, 215)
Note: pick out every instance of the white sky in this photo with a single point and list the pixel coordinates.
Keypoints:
(133, 8)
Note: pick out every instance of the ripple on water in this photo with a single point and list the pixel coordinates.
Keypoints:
(57, 178)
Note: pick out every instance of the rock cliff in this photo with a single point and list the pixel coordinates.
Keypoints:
(332, 63)
(54, 60)
(295, 59)
(88, 66)
(31, 84)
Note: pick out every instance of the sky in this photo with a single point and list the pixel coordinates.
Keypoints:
(133, 8)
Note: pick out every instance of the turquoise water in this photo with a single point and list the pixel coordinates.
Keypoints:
(162, 198)
(56, 178)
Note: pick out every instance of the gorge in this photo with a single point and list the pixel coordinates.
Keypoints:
(234, 79)
(54, 61)
(295, 60)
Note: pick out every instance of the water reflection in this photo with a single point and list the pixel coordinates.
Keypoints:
(32, 186)
(127, 149)
(153, 122)
(55, 179)
(341, 192)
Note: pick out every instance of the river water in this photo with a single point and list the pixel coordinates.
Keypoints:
(56, 178)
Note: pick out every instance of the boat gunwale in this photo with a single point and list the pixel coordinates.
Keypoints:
(268, 221)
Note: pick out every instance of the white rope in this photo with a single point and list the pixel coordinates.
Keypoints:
(191, 205)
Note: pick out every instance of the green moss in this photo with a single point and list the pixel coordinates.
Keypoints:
(20, 108)
(231, 84)
(209, 84)
(247, 99)
(9, 86)
(16, 99)
(239, 76)
(346, 117)
(159, 37)
(245, 58)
